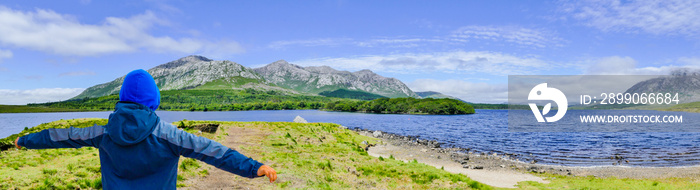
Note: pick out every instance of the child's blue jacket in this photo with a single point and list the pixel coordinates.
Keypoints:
(137, 149)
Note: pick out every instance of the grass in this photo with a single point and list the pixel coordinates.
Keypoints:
(306, 156)
(325, 156)
(50, 169)
(590, 182)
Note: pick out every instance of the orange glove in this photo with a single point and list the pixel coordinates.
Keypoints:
(265, 170)
(16, 145)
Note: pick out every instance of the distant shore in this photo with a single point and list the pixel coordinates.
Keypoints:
(36, 109)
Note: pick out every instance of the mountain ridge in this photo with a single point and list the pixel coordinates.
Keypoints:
(685, 83)
(196, 71)
(317, 79)
(184, 73)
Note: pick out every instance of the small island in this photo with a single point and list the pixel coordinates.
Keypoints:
(429, 106)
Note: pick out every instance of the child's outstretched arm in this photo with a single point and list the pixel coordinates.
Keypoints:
(62, 138)
(213, 153)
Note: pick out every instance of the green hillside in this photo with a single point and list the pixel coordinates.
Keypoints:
(352, 94)
(229, 83)
(686, 107)
(101, 89)
(206, 100)
(301, 86)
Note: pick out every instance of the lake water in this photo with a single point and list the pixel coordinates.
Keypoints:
(486, 131)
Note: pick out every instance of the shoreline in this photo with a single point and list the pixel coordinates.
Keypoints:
(495, 162)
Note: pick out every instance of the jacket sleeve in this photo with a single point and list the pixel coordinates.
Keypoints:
(209, 151)
(63, 138)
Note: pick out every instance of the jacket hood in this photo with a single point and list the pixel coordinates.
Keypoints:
(131, 123)
(139, 87)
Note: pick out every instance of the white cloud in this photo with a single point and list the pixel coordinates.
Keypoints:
(538, 38)
(400, 42)
(395, 42)
(457, 61)
(4, 54)
(525, 37)
(77, 73)
(690, 61)
(617, 65)
(34, 77)
(677, 17)
(41, 95)
(309, 43)
(612, 65)
(467, 91)
(48, 31)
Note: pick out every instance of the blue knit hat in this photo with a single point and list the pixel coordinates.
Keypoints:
(140, 87)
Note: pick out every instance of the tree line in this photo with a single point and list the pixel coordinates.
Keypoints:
(430, 106)
(351, 94)
(250, 99)
(206, 100)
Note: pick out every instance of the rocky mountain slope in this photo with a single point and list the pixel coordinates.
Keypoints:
(203, 73)
(185, 73)
(323, 78)
(683, 82)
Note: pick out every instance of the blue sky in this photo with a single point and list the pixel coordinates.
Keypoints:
(52, 50)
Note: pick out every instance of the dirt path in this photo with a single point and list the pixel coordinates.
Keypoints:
(497, 178)
(237, 138)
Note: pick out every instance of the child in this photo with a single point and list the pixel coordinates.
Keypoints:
(137, 149)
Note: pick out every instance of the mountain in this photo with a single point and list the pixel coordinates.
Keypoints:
(323, 78)
(686, 84)
(197, 72)
(186, 73)
(352, 94)
(434, 95)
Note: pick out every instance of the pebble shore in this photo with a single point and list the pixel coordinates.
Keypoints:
(496, 162)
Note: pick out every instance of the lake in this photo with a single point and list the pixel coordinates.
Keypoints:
(484, 132)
